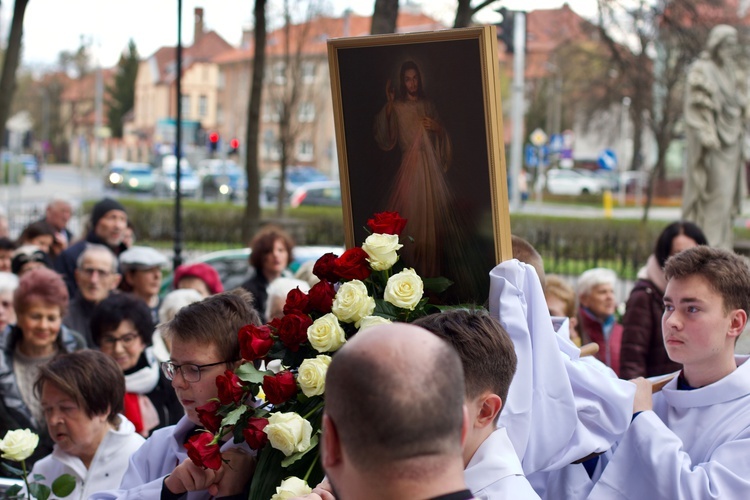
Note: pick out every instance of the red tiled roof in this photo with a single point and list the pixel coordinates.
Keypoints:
(316, 32)
(85, 88)
(209, 45)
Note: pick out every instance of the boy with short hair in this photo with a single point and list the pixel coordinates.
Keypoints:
(489, 361)
(691, 440)
(204, 344)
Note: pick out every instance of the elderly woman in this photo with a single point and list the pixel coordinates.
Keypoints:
(29, 257)
(121, 326)
(81, 395)
(271, 253)
(40, 301)
(170, 306)
(596, 296)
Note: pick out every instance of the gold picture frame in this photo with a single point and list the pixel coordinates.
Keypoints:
(419, 130)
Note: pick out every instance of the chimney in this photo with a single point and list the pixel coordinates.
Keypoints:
(198, 33)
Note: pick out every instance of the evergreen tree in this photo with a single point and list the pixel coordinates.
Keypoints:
(121, 95)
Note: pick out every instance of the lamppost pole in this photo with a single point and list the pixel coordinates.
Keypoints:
(178, 146)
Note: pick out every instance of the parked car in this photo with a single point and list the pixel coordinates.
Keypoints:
(326, 193)
(295, 177)
(221, 179)
(113, 174)
(138, 177)
(234, 268)
(573, 182)
(165, 183)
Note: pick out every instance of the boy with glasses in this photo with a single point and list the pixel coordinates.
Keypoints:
(204, 345)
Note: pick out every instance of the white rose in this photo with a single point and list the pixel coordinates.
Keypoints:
(291, 487)
(326, 334)
(404, 289)
(381, 250)
(288, 432)
(352, 303)
(369, 321)
(19, 444)
(312, 375)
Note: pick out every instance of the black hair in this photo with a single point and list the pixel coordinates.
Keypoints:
(663, 246)
(115, 309)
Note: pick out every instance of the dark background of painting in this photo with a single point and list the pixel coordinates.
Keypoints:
(452, 79)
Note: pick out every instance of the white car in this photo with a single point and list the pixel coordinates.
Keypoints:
(574, 182)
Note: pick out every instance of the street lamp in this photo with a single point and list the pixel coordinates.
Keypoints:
(178, 147)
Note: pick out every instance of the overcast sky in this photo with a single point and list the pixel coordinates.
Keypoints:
(52, 26)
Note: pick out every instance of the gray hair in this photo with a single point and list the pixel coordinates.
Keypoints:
(96, 248)
(279, 289)
(8, 282)
(176, 300)
(595, 277)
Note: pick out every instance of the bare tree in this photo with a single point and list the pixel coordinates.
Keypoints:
(384, 17)
(465, 11)
(252, 201)
(10, 63)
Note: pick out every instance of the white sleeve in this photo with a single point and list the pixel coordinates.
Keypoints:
(556, 411)
(139, 480)
(650, 463)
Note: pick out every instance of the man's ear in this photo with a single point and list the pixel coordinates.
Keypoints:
(490, 406)
(465, 426)
(738, 320)
(116, 278)
(330, 453)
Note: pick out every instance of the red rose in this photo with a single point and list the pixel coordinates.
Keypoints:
(353, 265)
(209, 417)
(254, 434)
(325, 268)
(279, 388)
(293, 330)
(230, 388)
(202, 452)
(296, 301)
(387, 223)
(321, 297)
(255, 341)
(275, 323)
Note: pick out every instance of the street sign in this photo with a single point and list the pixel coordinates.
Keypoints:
(556, 143)
(531, 158)
(607, 160)
(538, 137)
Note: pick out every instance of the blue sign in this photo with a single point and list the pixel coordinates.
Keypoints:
(556, 143)
(607, 160)
(531, 157)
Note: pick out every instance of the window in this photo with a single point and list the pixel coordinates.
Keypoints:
(272, 111)
(278, 72)
(308, 72)
(271, 147)
(202, 106)
(306, 112)
(222, 80)
(305, 150)
(185, 106)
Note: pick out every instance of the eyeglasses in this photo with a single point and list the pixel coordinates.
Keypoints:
(127, 340)
(89, 272)
(190, 371)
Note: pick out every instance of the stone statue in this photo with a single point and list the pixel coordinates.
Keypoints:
(715, 106)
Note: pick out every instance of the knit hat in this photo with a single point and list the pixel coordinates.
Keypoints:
(203, 272)
(101, 209)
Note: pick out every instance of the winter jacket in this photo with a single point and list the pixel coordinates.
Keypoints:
(592, 330)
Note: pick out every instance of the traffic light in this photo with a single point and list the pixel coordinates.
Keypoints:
(234, 146)
(506, 28)
(213, 141)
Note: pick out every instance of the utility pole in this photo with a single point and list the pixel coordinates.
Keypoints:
(516, 114)
(177, 260)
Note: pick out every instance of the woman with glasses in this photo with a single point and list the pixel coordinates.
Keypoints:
(204, 345)
(40, 301)
(122, 328)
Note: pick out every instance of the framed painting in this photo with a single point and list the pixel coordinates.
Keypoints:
(419, 131)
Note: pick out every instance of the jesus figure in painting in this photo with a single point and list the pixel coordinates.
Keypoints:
(420, 192)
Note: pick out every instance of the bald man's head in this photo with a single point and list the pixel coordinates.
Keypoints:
(395, 392)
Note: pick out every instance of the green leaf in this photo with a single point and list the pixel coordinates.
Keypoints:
(39, 491)
(248, 373)
(13, 491)
(234, 416)
(12, 470)
(63, 485)
(437, 284)
(38, 477)
(386, 310)
(296, 456)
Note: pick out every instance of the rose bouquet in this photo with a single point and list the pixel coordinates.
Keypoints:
(18, 445)
(274, 400)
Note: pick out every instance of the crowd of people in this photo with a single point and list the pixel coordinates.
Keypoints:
(467, 403)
